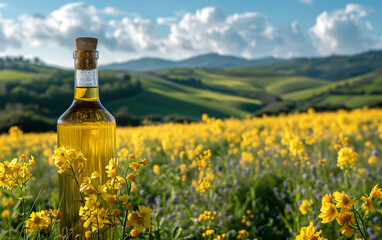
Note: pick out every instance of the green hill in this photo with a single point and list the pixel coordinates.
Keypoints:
(332, 68)
(9, 75)
(33, 95)
(166, 97)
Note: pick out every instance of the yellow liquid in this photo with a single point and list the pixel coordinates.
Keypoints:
(87, 127)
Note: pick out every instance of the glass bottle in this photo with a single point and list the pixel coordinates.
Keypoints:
(86, 127)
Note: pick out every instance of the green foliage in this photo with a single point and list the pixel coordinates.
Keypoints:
(332, 68)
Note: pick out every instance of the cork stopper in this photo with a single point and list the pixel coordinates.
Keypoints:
(86, 53)
(85, 43)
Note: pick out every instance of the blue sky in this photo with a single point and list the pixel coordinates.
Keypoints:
(179, 29)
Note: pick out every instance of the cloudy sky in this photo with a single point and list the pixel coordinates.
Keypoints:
(177, 29)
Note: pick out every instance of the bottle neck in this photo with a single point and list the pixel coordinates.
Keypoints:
(86, 75)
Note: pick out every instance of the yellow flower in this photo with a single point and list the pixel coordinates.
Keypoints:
(346, 157)
(156, 169)
(132, 156)
(376, 192)
(7, 201)
(88, 234)
(135, 220)
(309, 233)
(327, 199)
(80, 158)
(345, 217)
(109, 198)
(140, 218)
(144, 162)
(87, 187)
(95, 175)
(129, 206)
(135, 166)
(131, 176)
(116, 212)
(124, 199)
(367, 204)
(347, 231)
(296, 147)
(328, 212)
(183, 168)
(32, 162)
(60, 158)
(343, 201)
(145, 213)
(304, 207)
(15, 131)
(5, 214)
(15, 172)
(36, 221)
(372, 160)
(111, 168)
(134, 233)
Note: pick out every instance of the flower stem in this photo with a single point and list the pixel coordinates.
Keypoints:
(359, 229)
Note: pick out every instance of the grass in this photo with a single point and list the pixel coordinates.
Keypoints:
(166, 97)
(9, 75)
(352, 101)
(370, 81)
(240, 80)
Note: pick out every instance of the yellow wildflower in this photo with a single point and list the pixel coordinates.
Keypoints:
(343, 200)
(328, 212)
(109, 198)
(124, 199)
(131, 176)
(372, 160)
(5, 214)
(376, 192)
(346, 157)
(156, 169)
(135, 167)
(86, 186)
(327, 199)
(95, 175)
(134, 233)
(116, 212)
(347, 231)
(309, 233)
(144, 162)
(304, 207)
(367, 204)
(345, 217)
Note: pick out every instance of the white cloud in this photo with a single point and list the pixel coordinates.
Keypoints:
(133, 34)
(3, 5)
(166, 20)
(249, 34)
(342, 31)
(112, 11)
(369, 25)
(61, 26)
(9, 34)
(310, 2)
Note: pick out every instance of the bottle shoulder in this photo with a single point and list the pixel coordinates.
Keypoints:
(86, 112)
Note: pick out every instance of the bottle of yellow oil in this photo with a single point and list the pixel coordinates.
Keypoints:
(86, 127)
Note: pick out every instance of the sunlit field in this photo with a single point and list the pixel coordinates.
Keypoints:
(254, 178)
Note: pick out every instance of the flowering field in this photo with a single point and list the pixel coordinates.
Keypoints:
(299, 176)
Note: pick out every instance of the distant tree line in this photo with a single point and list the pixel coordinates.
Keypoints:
(35, 104)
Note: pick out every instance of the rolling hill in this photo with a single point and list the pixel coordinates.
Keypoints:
(207, 61)
(33, 95)
(333, 68)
